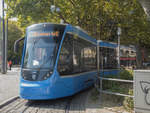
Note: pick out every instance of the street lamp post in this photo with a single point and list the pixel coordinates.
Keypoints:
(119, 33)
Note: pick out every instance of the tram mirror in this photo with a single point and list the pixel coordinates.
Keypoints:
(16, 48)
(16, 44)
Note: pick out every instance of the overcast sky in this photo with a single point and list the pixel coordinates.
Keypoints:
(0, 7)
(14, 19)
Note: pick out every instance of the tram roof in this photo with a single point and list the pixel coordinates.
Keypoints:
(77, 30)
(81, 33)
(107, 44)
(39, 24)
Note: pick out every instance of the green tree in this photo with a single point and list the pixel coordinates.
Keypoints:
(99, 17)
(14, 33)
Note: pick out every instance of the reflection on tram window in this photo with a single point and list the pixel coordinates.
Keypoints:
(108, 58)
(76, 56)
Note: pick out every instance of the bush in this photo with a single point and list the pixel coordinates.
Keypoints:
(128, 102)
(120, 87)
(126, 74)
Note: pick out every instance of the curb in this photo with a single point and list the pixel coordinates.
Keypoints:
(8, 101)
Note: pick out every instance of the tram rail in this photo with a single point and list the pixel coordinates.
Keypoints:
(19, 105)
(72, 104)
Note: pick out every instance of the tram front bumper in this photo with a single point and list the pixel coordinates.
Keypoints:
(35, 91)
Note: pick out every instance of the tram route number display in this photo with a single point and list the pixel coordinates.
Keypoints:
(39, 34)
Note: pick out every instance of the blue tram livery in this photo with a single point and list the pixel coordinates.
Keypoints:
(60, 60)
(108, 58)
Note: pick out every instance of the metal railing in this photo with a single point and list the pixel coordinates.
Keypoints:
(99, 86)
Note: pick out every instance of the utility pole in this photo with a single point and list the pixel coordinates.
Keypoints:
(6, 39)
(3, 41)
(0, 35)
(119, 33)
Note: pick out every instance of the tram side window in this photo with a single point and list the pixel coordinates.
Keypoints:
(108, 58)
(77, 47)
(65, 63)
(100, 58)
(103, 57)
(89, 58)
(112, 58)
(76, 56)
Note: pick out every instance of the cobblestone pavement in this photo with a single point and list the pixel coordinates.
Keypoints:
(9, 84)
(63, 105)
(74, 104)
(45, 106)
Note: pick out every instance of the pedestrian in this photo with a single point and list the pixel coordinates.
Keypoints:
(10, 64)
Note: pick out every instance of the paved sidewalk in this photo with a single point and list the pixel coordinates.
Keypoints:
(9, 84)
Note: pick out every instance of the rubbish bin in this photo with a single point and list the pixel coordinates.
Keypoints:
(142, 91)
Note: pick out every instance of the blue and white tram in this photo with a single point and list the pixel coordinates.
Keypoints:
(108, 58)
(59, 60)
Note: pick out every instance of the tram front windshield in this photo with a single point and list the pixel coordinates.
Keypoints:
(41, 49)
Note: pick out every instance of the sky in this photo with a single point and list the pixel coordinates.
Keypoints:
(0, 8)
(13, 19)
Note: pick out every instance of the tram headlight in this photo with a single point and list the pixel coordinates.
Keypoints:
(34, 76)
(47, 75)
(23, 76)
(51, 72)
